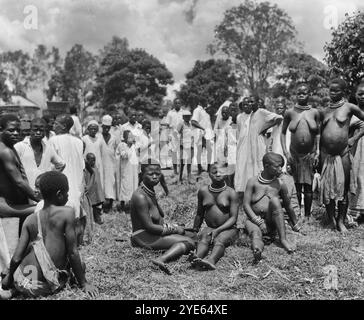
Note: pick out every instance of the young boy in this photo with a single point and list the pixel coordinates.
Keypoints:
(262, 204)
(42, 269)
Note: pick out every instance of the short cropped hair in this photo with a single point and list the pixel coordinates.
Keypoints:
(66, 119)
(51, 182)
(38, 121)
(73, 110)
(341, 82)
(147, 163)
(273, 158)
(7, 117)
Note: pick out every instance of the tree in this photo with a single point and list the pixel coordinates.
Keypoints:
(256, 37)
(45, 63)
(345, 52)
(131, 77)
(211, 80)
(4, 90)
(16, 65)
(297, 68)
(70, 82)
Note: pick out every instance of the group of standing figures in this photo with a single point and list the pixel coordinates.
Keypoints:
(123, 163)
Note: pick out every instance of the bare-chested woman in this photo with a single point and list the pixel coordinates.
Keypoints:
(263, 201)
(336, 160)
(303, 122)
(149, 229)
(218, 207)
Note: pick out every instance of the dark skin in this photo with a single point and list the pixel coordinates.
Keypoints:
(92, 130)
(145, 215)
(106, 133)
(132, 117)
(277, 191)
(8, 138)
(140, 116)
(58, 227)
(334, 141)
(220, 212)
(305, 137)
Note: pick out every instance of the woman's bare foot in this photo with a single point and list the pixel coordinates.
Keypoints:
(161, 266)
(289, 247)
(205, 264)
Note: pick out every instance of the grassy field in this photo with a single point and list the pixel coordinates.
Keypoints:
(123, 272)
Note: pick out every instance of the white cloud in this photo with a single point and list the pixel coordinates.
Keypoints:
(159, 26)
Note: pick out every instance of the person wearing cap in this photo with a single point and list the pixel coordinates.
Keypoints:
(109, 146)
(186, 130)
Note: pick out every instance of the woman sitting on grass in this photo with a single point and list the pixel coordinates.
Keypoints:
(149, 229)
(218, 207)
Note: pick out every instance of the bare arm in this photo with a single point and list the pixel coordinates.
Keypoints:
(200, 212)
(197, 125)
(9, 163)
(58, 162)
(286, 121)
(287, 204)
(356, 111)
(247, 202)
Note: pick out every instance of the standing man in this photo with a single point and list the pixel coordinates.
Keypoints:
(220, 132)
(251, 145)
(76, 129)
(174, 117)
(204, 138)
(70, 149)
(109, 162)
(132, 125)
(36, 156)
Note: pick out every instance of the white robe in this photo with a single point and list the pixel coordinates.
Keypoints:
(276, 142)
(251, 145)
(220, 134)
(109, 166)
(127, 171)
(70, 149)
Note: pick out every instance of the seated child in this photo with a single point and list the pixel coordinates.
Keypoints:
(43, 268)
(218, 207)
(262, 204)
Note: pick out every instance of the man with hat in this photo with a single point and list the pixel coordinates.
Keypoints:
(109, 146)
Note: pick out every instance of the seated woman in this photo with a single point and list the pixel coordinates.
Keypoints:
(263, 200)
(149, 229)
(218, 207)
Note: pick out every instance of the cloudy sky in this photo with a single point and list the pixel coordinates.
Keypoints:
(175, 31)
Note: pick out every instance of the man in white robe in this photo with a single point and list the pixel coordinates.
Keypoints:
(70, 149)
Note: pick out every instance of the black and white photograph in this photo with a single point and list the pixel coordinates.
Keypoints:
(200, 151)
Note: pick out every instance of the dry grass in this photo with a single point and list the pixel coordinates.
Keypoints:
(123, 272)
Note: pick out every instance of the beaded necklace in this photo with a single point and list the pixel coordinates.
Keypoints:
(337, 104)
(217, 190)
(302, 107)
(264, 181)
(149, 192)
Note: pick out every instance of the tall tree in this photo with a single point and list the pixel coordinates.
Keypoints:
(345, 52)
(71, 81)
(211, 80)
(132, 77)
(256, 37)
(301, 67)
(16, 67)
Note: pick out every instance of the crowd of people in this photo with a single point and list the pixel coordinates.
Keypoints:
(59, 177)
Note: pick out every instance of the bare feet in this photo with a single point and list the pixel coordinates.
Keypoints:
(205, 264)
(341, 227)
(192, 256)
(289, 247)
(257, 253)
(161, 266)
(332, 224)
